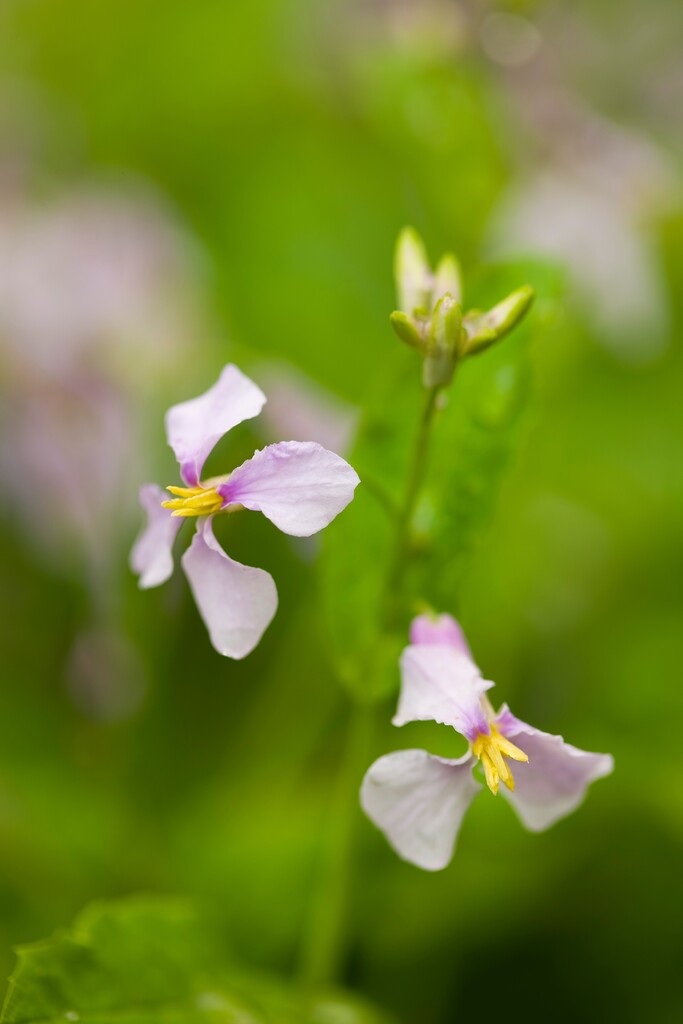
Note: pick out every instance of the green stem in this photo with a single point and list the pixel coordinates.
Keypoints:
(416, 473)
(327, 928)
(326, 933)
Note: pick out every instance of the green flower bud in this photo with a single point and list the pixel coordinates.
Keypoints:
(430, 318)
(446, 338)
(413, 276)
(483, 329)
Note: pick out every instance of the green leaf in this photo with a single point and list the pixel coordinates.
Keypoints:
(155, 961)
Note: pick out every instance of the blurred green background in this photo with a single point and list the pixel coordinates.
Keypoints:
(266, 155)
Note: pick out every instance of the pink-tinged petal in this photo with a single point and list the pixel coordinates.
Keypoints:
(555, 780)
(419, 801)
(298, 485)
(237, 602)
(193, 428)
(152, 554)
(441, 685)
(439, 629)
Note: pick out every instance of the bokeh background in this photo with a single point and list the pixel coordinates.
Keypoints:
(187, 184)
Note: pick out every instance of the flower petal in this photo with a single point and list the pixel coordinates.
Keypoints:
(152, 554)
(554, 781)
(194, 427)
(419, 801)
(298, 485)
(439, 629)
(237, 602)
(439, 684)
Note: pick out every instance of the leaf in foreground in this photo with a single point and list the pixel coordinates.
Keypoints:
(153, 961)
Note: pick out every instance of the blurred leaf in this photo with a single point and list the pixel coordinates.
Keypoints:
(356, 553)
(144, 961)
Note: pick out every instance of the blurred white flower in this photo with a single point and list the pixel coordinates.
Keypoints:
(613, 262)
(509, 39)
(589, 195)
(94, 276)
(65, 458)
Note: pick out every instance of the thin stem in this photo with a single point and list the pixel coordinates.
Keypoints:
(416, 473)
(326, 933)
(325, 937)
(381, 496)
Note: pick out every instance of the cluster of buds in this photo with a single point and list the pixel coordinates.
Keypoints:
(431, 318)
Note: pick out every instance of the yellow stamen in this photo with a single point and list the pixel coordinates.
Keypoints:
(185, 492)
(492, 751)
(194, 501)
(510, 750)
(492, 779)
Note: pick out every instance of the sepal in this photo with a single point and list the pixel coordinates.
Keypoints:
(406, 330)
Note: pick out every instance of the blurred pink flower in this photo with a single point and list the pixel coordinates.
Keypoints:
(96, 308)
(590, 194)
(612, 260)
(299, 486)
(93, 276)
(67, 449)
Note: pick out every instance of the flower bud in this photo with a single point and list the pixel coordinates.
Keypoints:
(445, 343)
(483, 329)
(413, 277)
(447, 279)
(430, 317)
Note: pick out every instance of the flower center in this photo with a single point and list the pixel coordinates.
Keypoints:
(194, 501)
(492, 751)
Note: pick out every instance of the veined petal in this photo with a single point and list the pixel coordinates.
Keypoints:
(555, 780)
(193, 428)
(298, 485)
(439, 629)
(442, 685)
(419, 801)
(237, 602)
(152, 554)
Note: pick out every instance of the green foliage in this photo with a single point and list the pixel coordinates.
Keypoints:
(294, 145)
(148, 961)
(474, 433)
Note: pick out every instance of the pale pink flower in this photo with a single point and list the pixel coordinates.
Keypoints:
(299, 486)
(419, 800)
